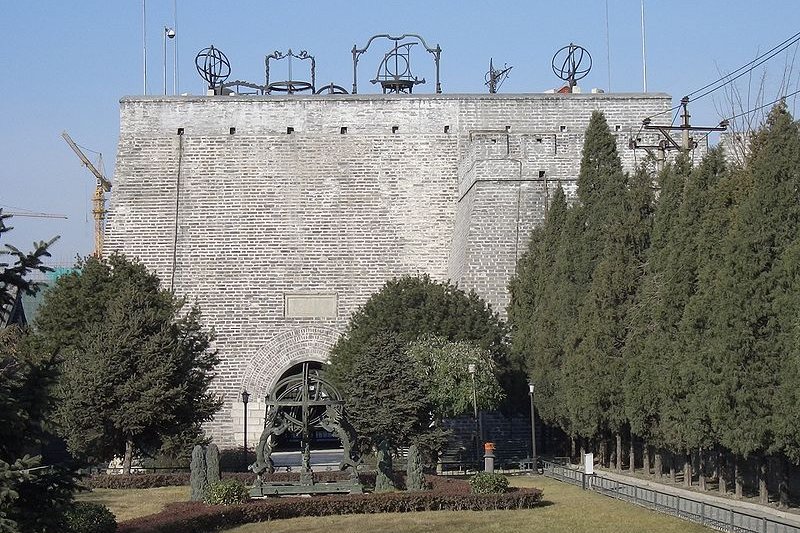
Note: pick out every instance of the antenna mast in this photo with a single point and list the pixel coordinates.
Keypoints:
(496, 76)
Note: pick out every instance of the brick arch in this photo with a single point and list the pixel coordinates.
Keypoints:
(281, 352)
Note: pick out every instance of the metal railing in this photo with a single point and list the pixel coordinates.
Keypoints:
(714, 516)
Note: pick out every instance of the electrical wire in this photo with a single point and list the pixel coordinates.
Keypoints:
(675, 117)
(745, 71)
(776, 49)
(670, 110)
(743, 113)
(739, 72)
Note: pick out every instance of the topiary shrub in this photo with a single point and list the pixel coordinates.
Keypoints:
(198, 474)
(228, 492)
(85, 517)
(212, 464)
(383, 478)
(486, 483)
(415, 479)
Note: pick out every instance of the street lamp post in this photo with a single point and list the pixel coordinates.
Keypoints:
(245, 400)
(533, 428)
(168, 33)
(479, 426)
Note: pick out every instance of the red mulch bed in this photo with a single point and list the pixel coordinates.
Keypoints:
(445, 494)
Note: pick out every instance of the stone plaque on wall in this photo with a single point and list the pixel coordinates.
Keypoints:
(309, 305)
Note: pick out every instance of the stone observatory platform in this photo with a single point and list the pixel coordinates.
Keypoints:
(281, 215)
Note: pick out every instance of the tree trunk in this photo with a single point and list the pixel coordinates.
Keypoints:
(722, 472)
(763, 493)
(618, 465)
(658, 464)
(701, 469)
(571, 449)
(687, 470)
(128, 458)
(583, 455)
(603, 452)
(646, 458)
(672, 475)
(737, 477)
(713, 458)
(783, 486)
(632, 456)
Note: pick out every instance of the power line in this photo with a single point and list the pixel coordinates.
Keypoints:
(793, 38)
(739, 72)
(763, 106)
(759, 63)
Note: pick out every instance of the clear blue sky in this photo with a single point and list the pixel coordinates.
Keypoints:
(66, 64)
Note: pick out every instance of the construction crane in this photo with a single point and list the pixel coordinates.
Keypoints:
(98, 199)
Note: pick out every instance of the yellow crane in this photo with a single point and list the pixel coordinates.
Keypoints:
(98, 199)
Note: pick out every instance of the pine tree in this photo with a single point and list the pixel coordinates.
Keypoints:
(411, 307)
(136, 370)
(32, 498)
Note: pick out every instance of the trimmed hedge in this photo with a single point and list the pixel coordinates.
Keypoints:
(149, 481)
(199, 518)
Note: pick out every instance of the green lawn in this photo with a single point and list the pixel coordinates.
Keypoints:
(566, 509)
(133, 503)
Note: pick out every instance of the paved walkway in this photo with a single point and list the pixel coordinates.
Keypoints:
(737, 505)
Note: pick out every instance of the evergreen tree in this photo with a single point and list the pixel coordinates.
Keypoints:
(686, 411)
(607, 268)
(415, 307)
(136, 371)
(33, 496)
(749, 325)
(385, 400)
(537, 312)
(645, 353)
(786, 404)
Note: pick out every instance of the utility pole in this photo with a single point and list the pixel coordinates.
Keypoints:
(668, 142)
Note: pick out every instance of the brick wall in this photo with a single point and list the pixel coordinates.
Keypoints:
(363, 189)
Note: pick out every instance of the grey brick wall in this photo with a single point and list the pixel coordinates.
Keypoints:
(236, 221)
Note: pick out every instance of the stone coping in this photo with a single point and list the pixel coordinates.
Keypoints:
(373, 97)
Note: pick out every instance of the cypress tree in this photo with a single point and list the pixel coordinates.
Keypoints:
(536, 313)
(747, 318)
(198, 474)
(605, 272)
(415, 478)
(727, 188)
(646, 358)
